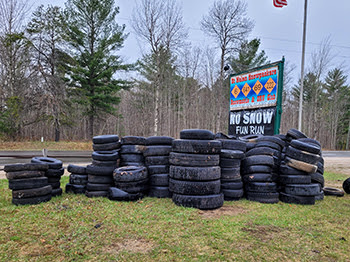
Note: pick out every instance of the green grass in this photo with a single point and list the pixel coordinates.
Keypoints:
(77, 228)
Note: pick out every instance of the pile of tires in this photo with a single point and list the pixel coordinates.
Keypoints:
(194, 170)
(301, 157)
(260, 169)
(131, 151)
(78, 179)
(231, 155)
(130, 183)
(28, 183)
(53, 173)
(104, 161)
(156, 156)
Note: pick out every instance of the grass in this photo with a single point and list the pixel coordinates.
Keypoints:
(50, 145)
(77, 228)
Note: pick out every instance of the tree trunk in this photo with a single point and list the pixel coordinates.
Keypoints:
(57, 130)
(91, 126)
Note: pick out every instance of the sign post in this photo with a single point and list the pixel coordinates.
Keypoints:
(256, 100)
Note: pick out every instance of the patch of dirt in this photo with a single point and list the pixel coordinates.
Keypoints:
(223, 211)
(264, 233)
(130, 245)
(339, 165)
(35, 250)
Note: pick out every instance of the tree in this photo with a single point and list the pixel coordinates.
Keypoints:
(94, 37)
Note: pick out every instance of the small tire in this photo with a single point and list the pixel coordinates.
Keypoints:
(331, 191)
(56, 192)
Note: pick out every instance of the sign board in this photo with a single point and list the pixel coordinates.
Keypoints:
(255, 101)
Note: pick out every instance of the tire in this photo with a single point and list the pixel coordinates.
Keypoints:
(159, 140)
(159, 192)
(297, 164)
(320, 196)
(117, 194)
(158, 169)
(100, 170)
(257, 151)
(295, 134)
(156, 160)
(132, 149)
(302, 190)
(263, 197)
(133, 140)
(194, 187)
(269, 144)
(232, 185)
(51, 180)
(346, 185)
(287, 170)
(200, 134)
(195, 173)
(331, 191)
(236, 145)
(76, 169)
(98, 187)
(293, 199)
(55, 185)
(231, 173)
(265, 187)
(104, 139)
(75, 189)
(292, 179)
(130, 174)
(100, 179)
(157, 151)
(106, 147)
(230, 163)
(139, 164)
(53, 163)
(91, 194)
(200, 202)
(259, 160)
(161, 180)
(132, 158)
(28, 183)
(196, 146)
(233, 193)
(272, 139)
(26, 167)
(258, 177)
(320, 168)
(54, 172)
(33, 192)
(317, 178)
(32, 200)
(56, 192)
(257, 169)
(105, 163)
(308, 147)
(302, 155)
(233, 154)
(310, 140)
(133, 187)
(200, 160)
(24, 174)
(105, 156)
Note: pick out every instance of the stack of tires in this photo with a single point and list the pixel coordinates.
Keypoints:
(28, 183)
(260, 169)
(53, 173)
(195, 171)
(301, 158)
(232, 153)
(131, 152)
(130, 183)
(78, 179)
(156, 156)
(104, 161)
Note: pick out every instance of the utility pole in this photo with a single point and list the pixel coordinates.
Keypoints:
(302, 70)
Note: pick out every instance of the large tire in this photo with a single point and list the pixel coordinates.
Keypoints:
(195, 173)
(54, 172)
(161, 180)
(99, 170)
(231, 144)
(295, 134)
(302, 155)
(76, 169)
(257, 169)
(293, 199)
(159, 140)
(256, 151)
(105, 156)
(104, 139)
(200, 134)
(302, 189)
(157, 151)
(266, 187)
(28, 183)
(259, 160)
(33, 192)
(194, 187)
(133, 140)
(26, 167)
(132, 149)
(132, 158)
(231, 173)
(259, 177)
(24, 174)
(232, 154)
(32, 200)
(182, 159)
(200, 202)
(53, 163)
(303, 166)
(197, 146)
(292, 179)
(308, 147)
(130, 174)
(346, 185)
(106, 147)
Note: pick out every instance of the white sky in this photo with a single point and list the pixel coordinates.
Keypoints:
(280, 29)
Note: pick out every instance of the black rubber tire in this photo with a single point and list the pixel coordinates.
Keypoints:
(293, 199)
(295, 134)
(91, 194)
(161, 180)
(230, 163)
(200, 160)
(302, 189)
(105, 163)
(100, 179)
(132, 158)
(320, 167)
(55, 185)
(265, 187)
(26, 167)
(117, 194)
(308, 147)
(33, 192)
(77, 179)
(231, 173)
(258, 177)
(268, 144)
(105, 155)
(233, 193)
(75, 189)
(56, 192)
(76, 169)
(196, 146)
(331, 191)
(259, 160)
(159, 192)
(257, 151)
(233, 154)
(157, 151)
(195, 173)
(200, 134)
(250, 138)
(303, 166)
(130, 174)
(287, 170)
(250, 146)
(231, 144)
(302, 155)
(159, 140)
(133, 140)
(317, 178)
(124, 164)
(200, 202)
(54, 172)
(346, 185)
(100, 170)
(320, 196)
(32, 200)
(51, 180)
(263, 197)
(293, 179)
(194, 187)
(24, 174)
(106, 147)
(272, 139)
(159, 169)
(310, 140)
(133, 187)
(132, 149)
(98, 187)
(232, 185)
(28, 183)
(104, 139)
(156, 160)
(53, 163)
(257, 169)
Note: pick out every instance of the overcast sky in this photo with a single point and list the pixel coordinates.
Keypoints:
(280, 29)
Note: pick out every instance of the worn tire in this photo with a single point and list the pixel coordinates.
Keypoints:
(294, 199)
(32, 200)
(159, 192)
(112, 163)
(268, 144)
(233, 193)
(156, 160)
(98, 187)
(231, 173)
(303, 166)
(257, 151)
(259, 160)
(140, 186)
(302, 155)
(259, 177)
(157, 151)
(100, 170)
(200, 202)
(331, 191)
(302, 189)
(158, 169)
(308, 147)
(230, 163)
(232, 154)
(100, 179)
(272, 139)
(56, 192)
(105, 156)
(117, 194)
(24, 174)
(33, 192)
(28, 183)
(317, 178)
(53, 163)
(346, 185)
(263, 197)
(75, 189)
(77, 179)
(194, 187)
(106, 147)
(293, 179)
(91, 194)
(159, 140)
(133, 140)
(196, 146)
(265, 187)
(287, 170)
(257, 169)
(104, 139)
(76, 169)
(295, 134)
(232, 185)
(195, 173)
(236, 145)
(132, 149)
(161, 180)
(54, 172)
(132, 158)
(200, 160)
(26, 167)
(200, 134)
(130, 174)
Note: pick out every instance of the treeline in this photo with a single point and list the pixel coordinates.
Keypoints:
(61, 76)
